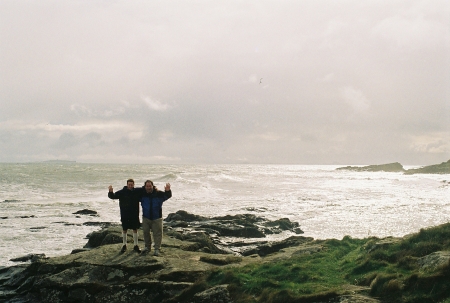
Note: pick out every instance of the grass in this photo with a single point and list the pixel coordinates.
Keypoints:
(388, 272)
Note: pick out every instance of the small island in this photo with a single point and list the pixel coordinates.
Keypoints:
(443, 168)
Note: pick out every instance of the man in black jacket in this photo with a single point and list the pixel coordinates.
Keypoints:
(129, 211)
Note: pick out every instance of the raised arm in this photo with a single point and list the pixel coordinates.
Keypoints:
(111, 194)
(167, 191)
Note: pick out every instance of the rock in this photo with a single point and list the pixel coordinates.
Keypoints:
(272, 247)
(310, 249)
(236, 226)
(86, 212)
(435, 260)
(221, 260)
(216, 294)
(373, 245)
(190, 250)
(29, 257)
(110, 235)
(102, 224)
(391, 167)
(78, 250)
(443, 168)
(183, 215)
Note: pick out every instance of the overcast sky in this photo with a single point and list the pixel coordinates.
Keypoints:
(248, 81)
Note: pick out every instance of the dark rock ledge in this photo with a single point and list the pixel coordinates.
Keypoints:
(192, 246)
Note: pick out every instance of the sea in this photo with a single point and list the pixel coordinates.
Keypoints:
(38, 200)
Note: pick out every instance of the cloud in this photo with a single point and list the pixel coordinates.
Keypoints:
(414, 29)
(269, 136)
(327, 78)
(438, 143)
(94, 81)
(355, 98)
(80, 128)
(155, 105)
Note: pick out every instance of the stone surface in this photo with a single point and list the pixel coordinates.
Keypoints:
(192, 246)
(434, 260)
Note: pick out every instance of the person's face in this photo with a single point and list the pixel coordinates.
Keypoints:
(130, 185)
(149, 187)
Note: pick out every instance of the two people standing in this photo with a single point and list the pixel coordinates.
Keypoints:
(151, 200)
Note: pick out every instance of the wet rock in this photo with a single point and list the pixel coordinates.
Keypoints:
(86, 212)
(183, 215)
(106, 236)
(236, 226)
(29, 257)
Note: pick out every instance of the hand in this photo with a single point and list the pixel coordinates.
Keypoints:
(167, 187)
(110, 188)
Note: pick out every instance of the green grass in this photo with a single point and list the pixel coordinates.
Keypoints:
(389, 273)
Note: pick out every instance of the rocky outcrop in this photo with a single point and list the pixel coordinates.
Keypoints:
(86, 212)
(391, 167)
(443, 168)
(242, 225)
(435, 260)
(192, 247)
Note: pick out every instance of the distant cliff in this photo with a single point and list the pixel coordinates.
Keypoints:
(443, 168)
(391, 167)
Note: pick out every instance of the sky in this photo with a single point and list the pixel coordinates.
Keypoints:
(333, 82)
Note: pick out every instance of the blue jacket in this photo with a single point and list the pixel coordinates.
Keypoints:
(152, 203)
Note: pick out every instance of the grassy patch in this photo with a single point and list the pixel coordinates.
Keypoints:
(390, 271)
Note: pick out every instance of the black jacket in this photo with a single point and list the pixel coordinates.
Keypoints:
(128, 202)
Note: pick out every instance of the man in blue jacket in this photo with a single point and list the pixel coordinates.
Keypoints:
(129, 211)
(151, 202)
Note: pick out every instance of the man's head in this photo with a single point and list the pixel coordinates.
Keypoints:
(148, 186)
(130, 184)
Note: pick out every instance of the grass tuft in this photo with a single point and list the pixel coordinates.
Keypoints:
(389, 267)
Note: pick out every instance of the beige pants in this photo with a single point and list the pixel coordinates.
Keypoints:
(156, 226)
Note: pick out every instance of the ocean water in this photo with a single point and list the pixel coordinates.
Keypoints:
(37, 200)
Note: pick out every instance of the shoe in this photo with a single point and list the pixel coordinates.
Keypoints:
(156, 253)
(136, 249)
(124, 248)
(145, 251)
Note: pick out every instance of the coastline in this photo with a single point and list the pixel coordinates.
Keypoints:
(193, 257)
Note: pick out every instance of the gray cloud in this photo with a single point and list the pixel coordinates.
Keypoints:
(344, 82)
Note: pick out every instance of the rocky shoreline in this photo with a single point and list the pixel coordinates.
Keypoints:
(192, 246)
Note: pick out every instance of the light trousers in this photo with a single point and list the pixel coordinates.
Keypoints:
(156, 226)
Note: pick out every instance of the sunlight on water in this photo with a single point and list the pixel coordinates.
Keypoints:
(38, 200)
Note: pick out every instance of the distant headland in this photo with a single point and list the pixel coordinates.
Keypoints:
(443, 168)
(59, 161)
